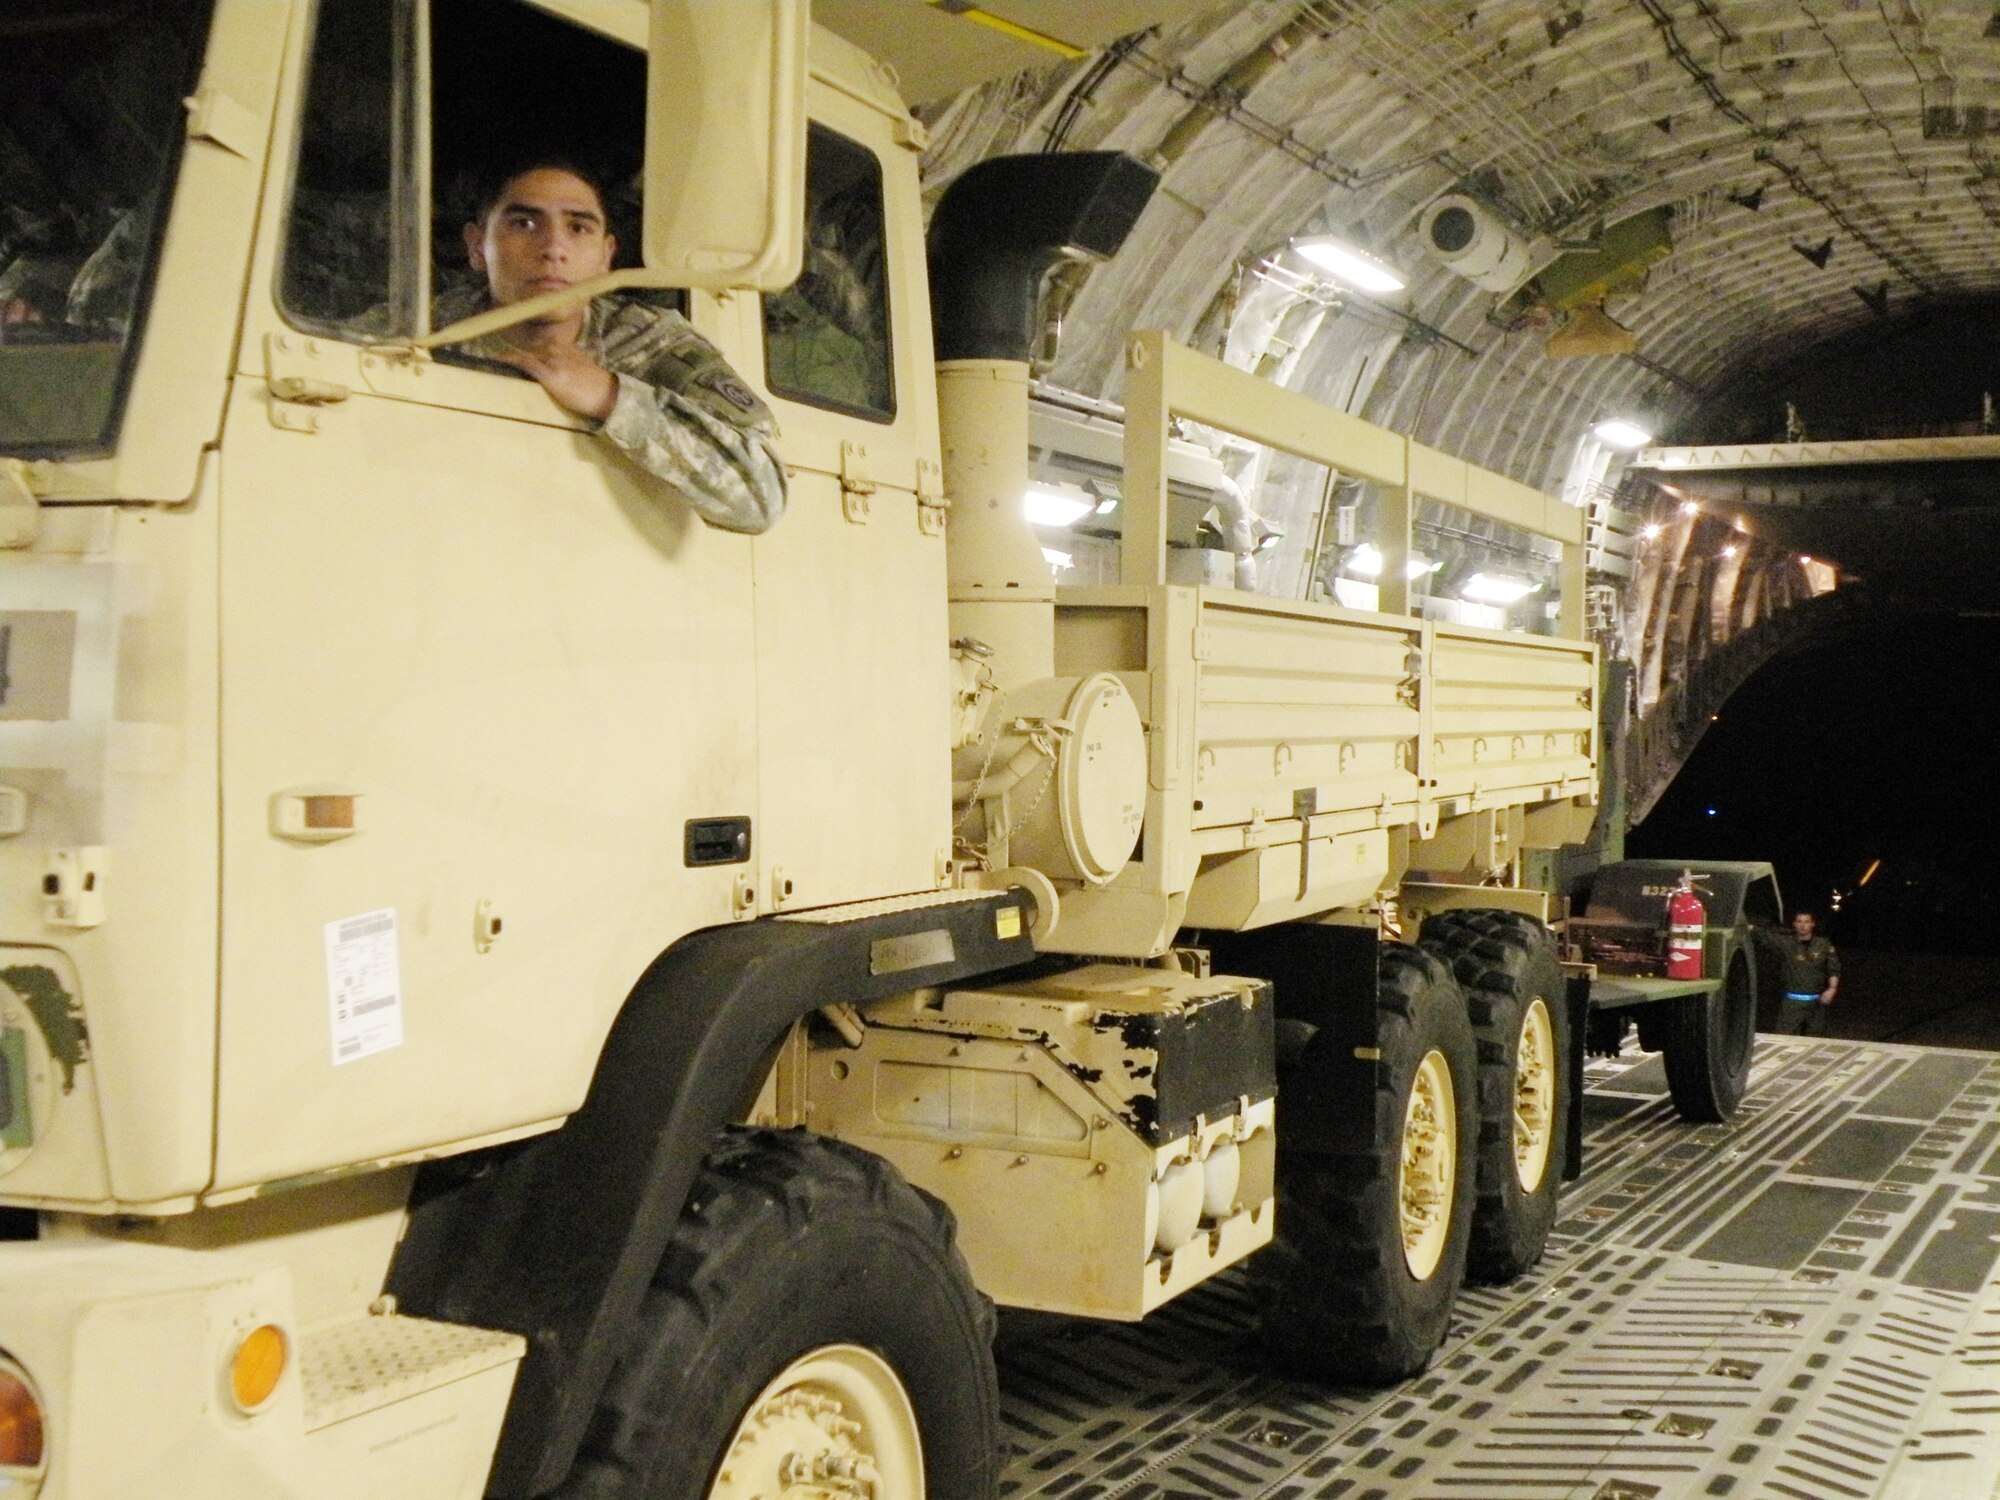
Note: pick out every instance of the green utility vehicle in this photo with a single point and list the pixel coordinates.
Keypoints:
(1705, 1027)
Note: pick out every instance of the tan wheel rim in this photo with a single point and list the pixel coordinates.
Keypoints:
(1430, 1165)
(1534, 1096)
(836, 1424)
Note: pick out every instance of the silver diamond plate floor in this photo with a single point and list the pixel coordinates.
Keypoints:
(1799, 1304)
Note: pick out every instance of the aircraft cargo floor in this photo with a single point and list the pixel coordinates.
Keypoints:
(1798, 1304)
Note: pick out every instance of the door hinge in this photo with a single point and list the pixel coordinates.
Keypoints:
(303, 390)
(294, 373)
(932, 507)
(856, 488)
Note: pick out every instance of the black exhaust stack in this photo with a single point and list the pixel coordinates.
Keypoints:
(1000, 228)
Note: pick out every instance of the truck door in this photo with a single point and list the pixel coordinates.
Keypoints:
(480, 673)
(851, 623)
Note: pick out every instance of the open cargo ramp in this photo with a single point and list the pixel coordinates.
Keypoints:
(1798, 1304)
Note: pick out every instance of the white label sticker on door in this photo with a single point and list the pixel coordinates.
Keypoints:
(364, 985)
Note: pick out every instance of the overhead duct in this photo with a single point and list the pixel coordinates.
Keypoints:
(1590, 330)
(1615, 265)
(1472, 241)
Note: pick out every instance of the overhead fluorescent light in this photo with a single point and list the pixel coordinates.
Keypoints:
(1651, 530)
(1058, 560)
(1345, 263)
(1618, 433)
(1047, 505)
(1496, 588)
(1365, 561)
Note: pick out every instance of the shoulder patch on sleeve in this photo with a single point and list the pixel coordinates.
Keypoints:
(733, 390)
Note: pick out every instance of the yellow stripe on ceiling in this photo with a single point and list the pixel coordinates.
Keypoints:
(1013, 29)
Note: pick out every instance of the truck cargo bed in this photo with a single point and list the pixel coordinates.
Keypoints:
(1289, 738)
(1798, 1304)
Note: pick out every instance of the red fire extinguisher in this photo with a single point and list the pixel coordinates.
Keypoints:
(1686, 919)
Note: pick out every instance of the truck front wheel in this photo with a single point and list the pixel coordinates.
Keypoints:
(1506, 963)
(811, 1330)
(1371, 1246)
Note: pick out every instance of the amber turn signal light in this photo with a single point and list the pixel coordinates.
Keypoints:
(257, 1367)
(20, 1423)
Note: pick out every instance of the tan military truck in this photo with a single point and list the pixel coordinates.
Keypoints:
(507, 989)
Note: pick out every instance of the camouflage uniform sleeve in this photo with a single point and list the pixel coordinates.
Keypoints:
(687, 419)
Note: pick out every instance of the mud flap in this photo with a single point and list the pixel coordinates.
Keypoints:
(1325, 977)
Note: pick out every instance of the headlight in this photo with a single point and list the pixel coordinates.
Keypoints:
(23, 1451)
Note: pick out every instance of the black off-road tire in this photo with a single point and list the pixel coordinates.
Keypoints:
(1347, 1306)
(1708, 1045)
(1505, 961)
(792, 1242)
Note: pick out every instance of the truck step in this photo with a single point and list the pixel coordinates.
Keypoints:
(1801, 1303)
(357, 1366)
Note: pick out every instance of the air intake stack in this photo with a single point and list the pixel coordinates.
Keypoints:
(998, 232)
(1049, 774)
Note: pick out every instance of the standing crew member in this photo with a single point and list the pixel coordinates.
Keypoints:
(1808, 976)
(658, 391)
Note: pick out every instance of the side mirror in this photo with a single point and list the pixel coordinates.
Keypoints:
(726, 143)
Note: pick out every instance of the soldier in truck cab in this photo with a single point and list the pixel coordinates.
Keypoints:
(658, 391)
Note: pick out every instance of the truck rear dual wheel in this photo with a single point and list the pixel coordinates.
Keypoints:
(811, 1331)
(1707, 1041)
(1507, 965)
(1371, 1247)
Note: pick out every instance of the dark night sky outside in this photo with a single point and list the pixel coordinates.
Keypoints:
(1880, 748)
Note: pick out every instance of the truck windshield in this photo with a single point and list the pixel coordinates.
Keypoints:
(91, 122)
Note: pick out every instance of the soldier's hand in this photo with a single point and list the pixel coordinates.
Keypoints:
(574, 380)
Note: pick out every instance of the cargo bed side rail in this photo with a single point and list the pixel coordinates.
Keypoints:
(1165, 380)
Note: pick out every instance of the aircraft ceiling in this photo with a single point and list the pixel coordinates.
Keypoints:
(1818, 168)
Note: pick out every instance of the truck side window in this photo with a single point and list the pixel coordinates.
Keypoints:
(826, 337)
(509, 80)
(507, 77)
(350, 245)
(91, 133)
